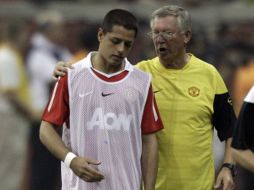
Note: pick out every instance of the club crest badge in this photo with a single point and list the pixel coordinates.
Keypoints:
(193, 91)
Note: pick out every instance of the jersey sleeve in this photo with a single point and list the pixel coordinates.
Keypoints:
(57, 109)
(151, 121)
(223, 117)
(243, 137)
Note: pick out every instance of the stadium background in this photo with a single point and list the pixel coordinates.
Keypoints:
(222, 33)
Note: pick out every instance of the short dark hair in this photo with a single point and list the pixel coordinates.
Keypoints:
(120, 17)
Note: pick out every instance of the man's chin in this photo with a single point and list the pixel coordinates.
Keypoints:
(116, 64)
(163, 55)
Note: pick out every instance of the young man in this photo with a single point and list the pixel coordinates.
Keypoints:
(192, 100)
(243, 139)
(109, 141)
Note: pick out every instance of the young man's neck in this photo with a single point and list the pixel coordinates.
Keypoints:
(101, 65)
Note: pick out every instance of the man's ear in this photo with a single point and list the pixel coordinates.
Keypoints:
(100, 34)
(187, 36)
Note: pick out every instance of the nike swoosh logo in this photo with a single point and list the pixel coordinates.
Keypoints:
(156, 91)
(108, 94)
(85, 94)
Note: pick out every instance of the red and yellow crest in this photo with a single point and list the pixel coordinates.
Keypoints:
(193, 91)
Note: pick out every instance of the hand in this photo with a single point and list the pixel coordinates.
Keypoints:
(84, 169)
(60, 70)
(224, 180)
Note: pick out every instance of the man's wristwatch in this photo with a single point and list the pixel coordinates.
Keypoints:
(231, 167)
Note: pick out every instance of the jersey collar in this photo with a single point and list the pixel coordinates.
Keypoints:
(128, 67)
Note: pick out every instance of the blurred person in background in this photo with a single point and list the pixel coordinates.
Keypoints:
(235, 60)
(243, 139)
(15, 111)
(47, 47)
(240, 57)
(87, 42)
(192, 100)
(243, 77)
(229, 55)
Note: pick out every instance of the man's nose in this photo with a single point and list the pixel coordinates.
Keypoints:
(159, 39)
(121, 47)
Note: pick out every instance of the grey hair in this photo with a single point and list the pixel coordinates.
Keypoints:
(182, 15)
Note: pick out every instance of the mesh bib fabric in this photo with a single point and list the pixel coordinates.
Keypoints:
(105, 125)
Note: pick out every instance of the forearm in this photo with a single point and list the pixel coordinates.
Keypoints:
(228, 158)
(245, 158)
(225, 176)
(149, 161)
(51, 139)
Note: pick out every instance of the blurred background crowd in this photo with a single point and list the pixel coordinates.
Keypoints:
(35, 34)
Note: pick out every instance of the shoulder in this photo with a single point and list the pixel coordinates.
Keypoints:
(141, 73)
(204, 66)
(201, 63)
(207, 74)
(136, 73)
(83, 63)
(79, 64)
(147, 65)
(79, 68)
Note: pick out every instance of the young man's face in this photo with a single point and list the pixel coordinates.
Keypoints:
(115, 45)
